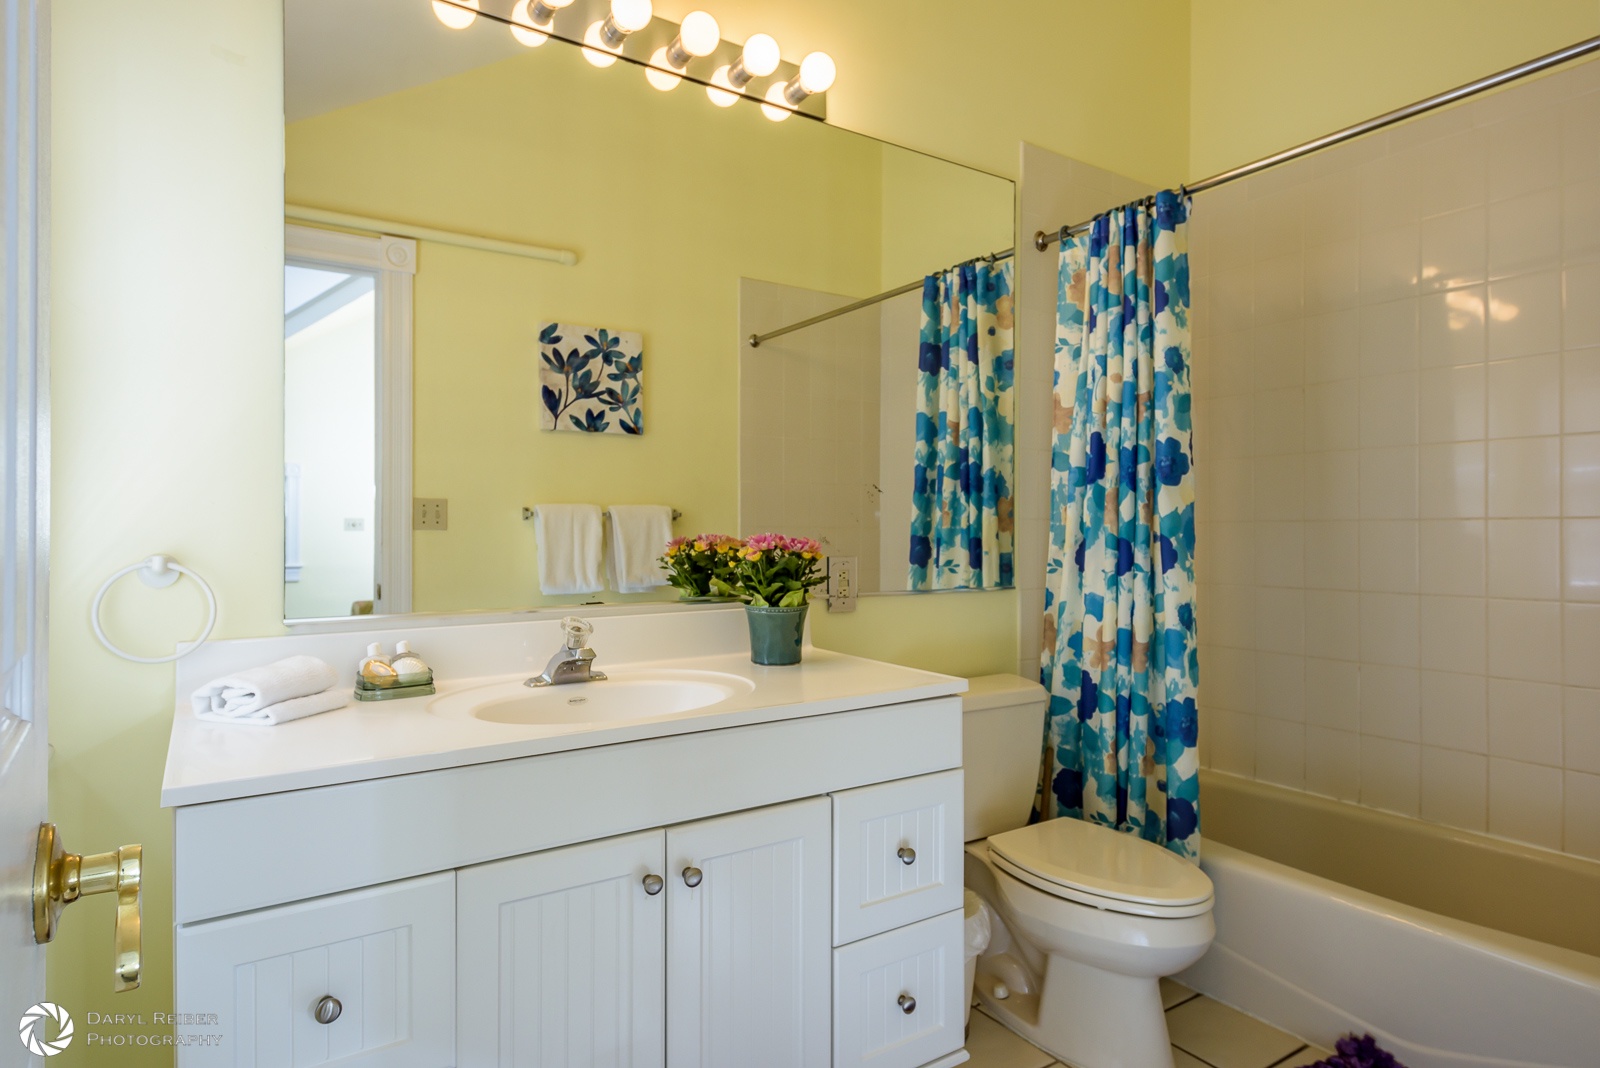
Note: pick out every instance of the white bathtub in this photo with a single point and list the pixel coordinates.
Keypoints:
(1320, 958)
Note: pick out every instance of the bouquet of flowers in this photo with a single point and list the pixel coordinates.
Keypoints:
(772, 571)
(702, 566)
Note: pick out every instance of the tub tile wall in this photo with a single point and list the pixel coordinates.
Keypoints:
(1397, 429)
(809, 408)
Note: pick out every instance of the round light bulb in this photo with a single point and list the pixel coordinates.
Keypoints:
(817, 72)
(595, 50)
(658, 74)
(453, 15)
(760, 55)
(699, 33)
(776, 108)
(522, 27)
(631, 16)
(723, 95)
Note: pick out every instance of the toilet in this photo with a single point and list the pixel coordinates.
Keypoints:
(1088, 919)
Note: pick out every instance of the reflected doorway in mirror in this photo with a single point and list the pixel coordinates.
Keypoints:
(590, 379)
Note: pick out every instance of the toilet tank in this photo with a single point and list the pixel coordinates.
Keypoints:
(1002, 743)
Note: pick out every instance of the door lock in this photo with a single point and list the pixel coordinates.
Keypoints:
(60, 878)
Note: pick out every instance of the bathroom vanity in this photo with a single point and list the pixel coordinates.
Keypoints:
(589, 874)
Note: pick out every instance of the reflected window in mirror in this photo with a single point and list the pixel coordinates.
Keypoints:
(346, 321)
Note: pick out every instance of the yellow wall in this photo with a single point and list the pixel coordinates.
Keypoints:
(935, 215)
(1268, 74)
(968, 80)
(167, 365)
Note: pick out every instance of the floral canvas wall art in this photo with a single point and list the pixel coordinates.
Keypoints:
(590, 380)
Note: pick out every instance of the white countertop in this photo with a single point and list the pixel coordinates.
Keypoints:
(216, 762)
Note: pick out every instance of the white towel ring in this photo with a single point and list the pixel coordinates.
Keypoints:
(158, 571)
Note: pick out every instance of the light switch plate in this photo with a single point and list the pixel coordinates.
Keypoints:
(842, 583)
(355, 524)
(430, 513)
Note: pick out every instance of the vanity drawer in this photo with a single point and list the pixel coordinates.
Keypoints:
(897, 997)
(387, 954)
(896, 854)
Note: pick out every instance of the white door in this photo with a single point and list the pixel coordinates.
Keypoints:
(23, 180)
(559, 958)
(749, 939)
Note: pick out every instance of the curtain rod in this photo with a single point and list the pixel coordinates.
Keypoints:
(755, 340)
(1043, 239)
(301, 213)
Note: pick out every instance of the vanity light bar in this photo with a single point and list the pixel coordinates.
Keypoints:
(611, 23)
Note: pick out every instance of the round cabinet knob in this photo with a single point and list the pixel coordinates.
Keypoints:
(908, 1004)
(653, 884)
(692, 876)
(907, 855)
(327, 1009)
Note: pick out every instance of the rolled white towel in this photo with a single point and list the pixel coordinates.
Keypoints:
(283, 711)
(247, 695)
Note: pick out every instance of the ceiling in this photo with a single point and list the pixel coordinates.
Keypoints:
(341, 52)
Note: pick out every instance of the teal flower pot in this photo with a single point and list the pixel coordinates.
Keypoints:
(775, 633)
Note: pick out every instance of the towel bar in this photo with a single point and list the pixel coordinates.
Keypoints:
(527, 513)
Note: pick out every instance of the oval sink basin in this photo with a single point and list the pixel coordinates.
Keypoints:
(624, 697)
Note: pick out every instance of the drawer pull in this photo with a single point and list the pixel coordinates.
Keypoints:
(327, 1009)
(653, 884)
(692, 877)
(907, 855)
(908, 1004)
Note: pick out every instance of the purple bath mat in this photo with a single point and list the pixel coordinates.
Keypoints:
(1363, 1052)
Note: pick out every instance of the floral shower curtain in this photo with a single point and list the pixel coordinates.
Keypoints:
(1120, 656)
(961, 525)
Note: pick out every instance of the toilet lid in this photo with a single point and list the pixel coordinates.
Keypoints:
(1098, 860)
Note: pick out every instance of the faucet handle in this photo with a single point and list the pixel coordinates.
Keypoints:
(577, 631)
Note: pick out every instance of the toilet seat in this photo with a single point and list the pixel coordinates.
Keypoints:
(1105, 869)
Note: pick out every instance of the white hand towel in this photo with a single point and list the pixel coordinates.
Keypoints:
(639, 535)
(283, 711)
(570, 553)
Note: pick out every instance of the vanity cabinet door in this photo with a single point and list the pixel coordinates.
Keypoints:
(358, 980)
(560, 958)
(748, 939)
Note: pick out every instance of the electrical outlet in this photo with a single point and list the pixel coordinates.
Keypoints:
(430, 513)
(355, 524)
(842, 583)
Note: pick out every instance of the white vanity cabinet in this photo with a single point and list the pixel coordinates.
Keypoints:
(561, 957)
(782, 894)
(704, 944)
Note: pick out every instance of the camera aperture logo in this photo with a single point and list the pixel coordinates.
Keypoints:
(34, 1024)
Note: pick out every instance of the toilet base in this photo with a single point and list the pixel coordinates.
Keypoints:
(1084, 1016)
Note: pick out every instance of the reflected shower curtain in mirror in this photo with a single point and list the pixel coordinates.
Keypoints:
(961, 523)
(1120, 658)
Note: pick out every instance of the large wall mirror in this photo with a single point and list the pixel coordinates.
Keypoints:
(453, 192)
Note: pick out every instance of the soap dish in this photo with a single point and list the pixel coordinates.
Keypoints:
(394, 693)
(395, 687)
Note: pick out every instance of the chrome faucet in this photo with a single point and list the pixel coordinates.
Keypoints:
(574, 661)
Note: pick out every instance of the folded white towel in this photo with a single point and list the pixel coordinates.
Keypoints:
(570, 555)
(247, 695)
(639, 535)
(283, 711)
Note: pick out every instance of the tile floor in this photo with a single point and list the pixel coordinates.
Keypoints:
(1205, 1034)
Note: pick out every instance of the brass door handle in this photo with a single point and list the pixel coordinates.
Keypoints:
(60, 878)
